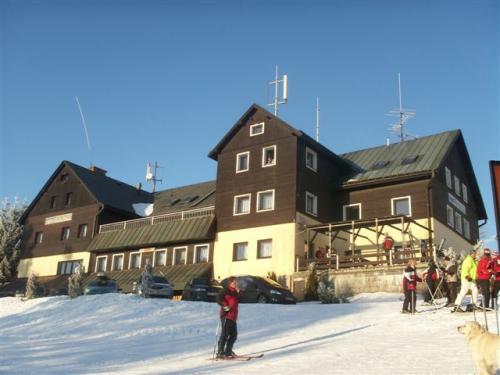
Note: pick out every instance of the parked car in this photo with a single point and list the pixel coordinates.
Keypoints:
(201, 289)
(102, 285)
(160, 287)
(261, 290)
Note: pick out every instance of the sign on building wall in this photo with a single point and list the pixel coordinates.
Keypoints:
(454, 201)
(495, 182)
(58, 219)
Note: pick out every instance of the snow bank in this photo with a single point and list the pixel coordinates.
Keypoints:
(125, 334)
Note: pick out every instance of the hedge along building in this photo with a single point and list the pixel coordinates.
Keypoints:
(62, 220)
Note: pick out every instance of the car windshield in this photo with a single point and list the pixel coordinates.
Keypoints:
(105, 282)
(160, 280)
(272, 282)
(200, 281)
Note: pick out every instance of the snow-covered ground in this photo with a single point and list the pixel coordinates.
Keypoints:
(125, 334)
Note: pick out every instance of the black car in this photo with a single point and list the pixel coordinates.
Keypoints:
(201, 289)
(102, 285)
(261, 290)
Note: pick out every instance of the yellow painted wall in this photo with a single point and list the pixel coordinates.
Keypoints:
(282, 261)
(47, 266)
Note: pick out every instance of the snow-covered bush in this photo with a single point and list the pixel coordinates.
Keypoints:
(31, 286)
(146, 280)
(11, 233)
(326, 290)
(311, 291)
(75, 281)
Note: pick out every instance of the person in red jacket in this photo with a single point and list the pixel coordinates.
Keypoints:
(484, 272)
(410, 279)
(496, 274)
(228, 301)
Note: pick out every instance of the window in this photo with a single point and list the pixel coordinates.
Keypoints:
(180, 255)
(134, 261)
(82, 230)
(100, 263)
(63, 178)
(450, 216)
(269, 156)
(68, 267)
(240, 251)
(466, 229)
(69, 198)
(256, 129)
(465, 195)
(409, 160)
(160, 258)
(65, 233)
(448, 177)
(53, 201)
(265, 200)
(201, 253)
(352, 211)
(264, 249)
(117, 263)
(457, 186)
(401, 206)
(311, 204)
(458, 222)
(380, 164)
(241, 204)
(242, 162)
(38, 237)
(311, 159)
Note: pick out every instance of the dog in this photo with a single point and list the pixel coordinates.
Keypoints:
(484, 347)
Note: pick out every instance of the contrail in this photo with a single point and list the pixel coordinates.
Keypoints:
(84, 124)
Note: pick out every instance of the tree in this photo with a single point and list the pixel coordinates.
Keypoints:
(11, 232)
(75, 283)
(311, 292)
(31, 286)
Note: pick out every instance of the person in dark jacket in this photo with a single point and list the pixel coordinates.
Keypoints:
(496, 274)
(430, 275)
(451, 279)
(484, 272)
(228, 301)
(410, 279)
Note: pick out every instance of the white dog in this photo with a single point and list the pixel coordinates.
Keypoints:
(484, 347)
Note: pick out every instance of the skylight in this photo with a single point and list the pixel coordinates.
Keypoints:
(409, 159)
(380, 164)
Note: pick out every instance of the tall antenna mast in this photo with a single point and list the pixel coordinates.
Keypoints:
(403, 114)
(317, 119)
(151, 176)
(276, 82)
(89, 148)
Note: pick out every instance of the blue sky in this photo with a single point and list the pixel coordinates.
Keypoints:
(165, 80)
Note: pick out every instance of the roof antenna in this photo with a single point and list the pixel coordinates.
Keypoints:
(84, 128)
(276, 82)
(151, 177)
(403, 114)
(317, 119)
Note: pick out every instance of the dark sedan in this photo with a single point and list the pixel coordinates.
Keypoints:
(201, 289)
(262, 290)
(102, 285)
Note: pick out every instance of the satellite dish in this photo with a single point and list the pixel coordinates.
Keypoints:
(149, 175)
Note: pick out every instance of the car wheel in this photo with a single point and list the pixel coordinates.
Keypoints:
(261, 299)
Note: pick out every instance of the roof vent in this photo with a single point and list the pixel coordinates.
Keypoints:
(380, 164)
(98, 170)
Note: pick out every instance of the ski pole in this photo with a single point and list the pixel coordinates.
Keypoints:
(485, 317)
(413, 302)
(496, 312)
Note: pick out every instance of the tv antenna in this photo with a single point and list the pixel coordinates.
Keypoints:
(151, 176)
(403, 114)
(276, 82)
(89, 148)
(317, 119)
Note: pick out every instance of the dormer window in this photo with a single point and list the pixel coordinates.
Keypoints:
(269, 156)
(256, 129)
(311, 159)
(242, 162)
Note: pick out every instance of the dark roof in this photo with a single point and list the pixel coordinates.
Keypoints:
(162, 233)
(184, 198)
(430, 152)
(177, 275)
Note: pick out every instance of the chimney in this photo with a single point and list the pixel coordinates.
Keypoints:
(97, 170)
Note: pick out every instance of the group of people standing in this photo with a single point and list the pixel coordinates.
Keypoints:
(484, 275)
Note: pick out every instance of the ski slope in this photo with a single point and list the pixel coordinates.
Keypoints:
(125, 334)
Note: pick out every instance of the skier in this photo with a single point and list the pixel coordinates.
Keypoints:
(410, 279)
(468, 280)
(430, 275)
(450, 271)
(484, 272)
(496, 275)
(228, 301)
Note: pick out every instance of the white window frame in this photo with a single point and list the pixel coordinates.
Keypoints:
(315, 204)
(264, 164)
(315, 159)
(258, 200)
(85, 232)
(258, 248)
(457, 185)
(458, 223)
(105, 262)
(344, 210)
(113, 262)
(175, 252)
(130, 260)
(63, 231)
(235, 199)
(449, 182)
(246, 252)
(39, 239)
(451, 222)
(207, 245)
(401, 198)
(238, 169)
(252, 134)
(466, 227)
(154, 257)
(465, 193)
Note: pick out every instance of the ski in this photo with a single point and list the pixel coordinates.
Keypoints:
(241, 358)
